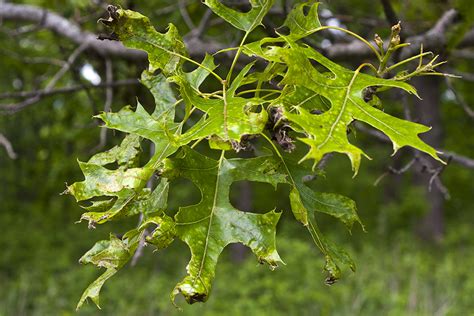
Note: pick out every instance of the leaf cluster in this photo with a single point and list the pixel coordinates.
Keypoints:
(298, 98)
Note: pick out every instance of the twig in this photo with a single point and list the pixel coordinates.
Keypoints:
(72, 31)
(434, 38)
(455, 157)
(52, 82)
(8, 146)
(392, 170)
(64, 90)
(203, 24)
(460, 99)
(389, 12)
(184, 13)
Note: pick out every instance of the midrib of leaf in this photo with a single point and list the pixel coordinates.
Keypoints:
(193, 222)
(317, 200)
(376, 119)
(180, 56)
(302, 28)
(211, 216)
(259, 15)
(315, 236)
(344, 104)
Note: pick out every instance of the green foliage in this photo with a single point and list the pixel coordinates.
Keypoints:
(214, 223)
(243, 21)
(115, 181)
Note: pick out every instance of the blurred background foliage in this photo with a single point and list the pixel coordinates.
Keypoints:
(398, 272)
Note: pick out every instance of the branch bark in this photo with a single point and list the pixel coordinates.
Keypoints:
(434, 39)
(8, 146)
(68, 29)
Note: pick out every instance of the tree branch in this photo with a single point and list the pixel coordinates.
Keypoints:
(434, 39)
(457, 158)
(68, 29)
(8, 147)
(389, 12)
(35, 96)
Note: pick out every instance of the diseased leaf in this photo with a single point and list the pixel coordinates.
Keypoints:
(333, 254)
(111, 254)
(228, 118)
(125, 184)
(114, 254)
(135, 31)
(243, 21)
(327, 132)
(93, 290)
(301, 24)
(209, 226)
(317, 103)
(197, 76)
(165, 100)
(304, 200)
(164, 232)
(125, 154)
(159, 130)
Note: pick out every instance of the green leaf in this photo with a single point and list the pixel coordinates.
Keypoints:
(165, 100)
(243, 21)
(212, 224)
(333, 254)
(228, 118)
(125, 154)
(111, 254)
(304, 200)
(327, 132)
(197, 76)
(125, 184)
(159, 130)
(134, 30)
(164, 232)
(145, 202)
(301, 24)
(305, 203)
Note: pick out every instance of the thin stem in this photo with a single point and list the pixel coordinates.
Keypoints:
(372, 67)
(258, 90)
(352, 34)
(187, 59)
(407, 60)
(225, 50)
(196, 142)
(236, 57)
(201, 66)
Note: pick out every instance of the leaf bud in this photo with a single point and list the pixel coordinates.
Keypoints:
(378, 40)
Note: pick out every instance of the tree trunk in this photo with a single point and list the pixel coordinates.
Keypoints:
(427, 111)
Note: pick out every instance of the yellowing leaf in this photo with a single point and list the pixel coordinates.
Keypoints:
(344, 88)
(135, 31)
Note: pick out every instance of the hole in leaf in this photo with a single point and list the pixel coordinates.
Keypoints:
(321, 69)
(182, 192)
(255, 197)
(238, 5)
(192, 120)
(309, 100)
(306, 10)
